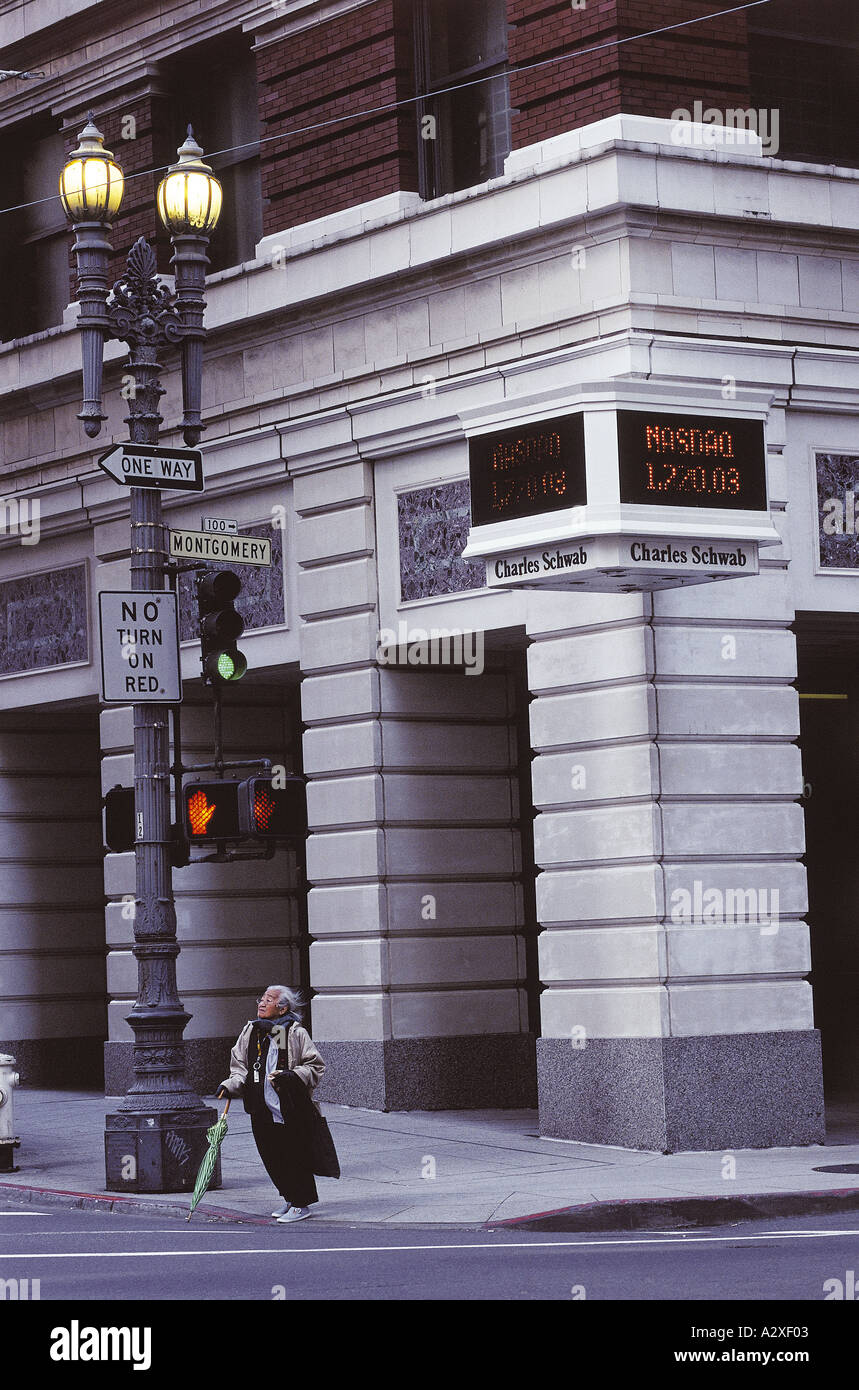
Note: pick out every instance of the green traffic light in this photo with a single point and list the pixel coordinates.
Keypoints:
(220, 626)
(231, 667)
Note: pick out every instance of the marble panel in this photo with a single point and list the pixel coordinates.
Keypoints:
(838, 482)
(433, 528)
(43, 620)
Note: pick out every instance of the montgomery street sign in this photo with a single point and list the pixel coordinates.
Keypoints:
(143, 465)
(202, 545)
(139, 648)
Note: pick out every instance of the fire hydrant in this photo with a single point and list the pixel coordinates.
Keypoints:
(9, 1141)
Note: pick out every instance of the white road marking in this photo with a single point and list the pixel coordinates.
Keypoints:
(77, 1232)
(386, 1249)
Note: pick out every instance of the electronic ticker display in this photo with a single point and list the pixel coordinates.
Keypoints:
(692, 461)
(528, 470)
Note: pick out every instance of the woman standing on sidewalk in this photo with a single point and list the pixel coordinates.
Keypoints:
(274, 1066)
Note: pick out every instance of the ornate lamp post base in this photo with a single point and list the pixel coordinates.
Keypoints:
(156, 1138)
(157, 1152)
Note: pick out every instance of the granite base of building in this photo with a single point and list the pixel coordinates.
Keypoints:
(731, 1091)
(494, 1072)
(207, 1064)
(58, 1062)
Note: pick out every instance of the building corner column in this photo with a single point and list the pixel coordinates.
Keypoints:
(676, 1014)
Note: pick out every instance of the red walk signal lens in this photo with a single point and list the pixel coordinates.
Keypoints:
(274, 808)
(212, 810)
(199, 813)
(264, 807)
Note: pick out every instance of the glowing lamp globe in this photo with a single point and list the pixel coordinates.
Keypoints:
(189, 196)
(92, 182)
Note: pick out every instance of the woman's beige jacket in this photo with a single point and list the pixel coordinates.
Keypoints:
(304, 1059)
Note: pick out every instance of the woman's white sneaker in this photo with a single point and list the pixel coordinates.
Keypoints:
(282, 1209)
(295, 1214)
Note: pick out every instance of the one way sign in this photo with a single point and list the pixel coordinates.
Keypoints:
(141, 465)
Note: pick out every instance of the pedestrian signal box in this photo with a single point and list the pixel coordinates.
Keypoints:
(273, 808)
(262, 808)
(211, 811)
(119, 819)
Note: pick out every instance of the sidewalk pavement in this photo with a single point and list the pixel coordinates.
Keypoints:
(467, 1168)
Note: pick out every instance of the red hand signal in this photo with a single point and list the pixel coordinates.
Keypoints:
(199, 812)
(264, 806)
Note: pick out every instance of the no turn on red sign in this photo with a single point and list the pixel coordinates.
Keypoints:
(139, 648)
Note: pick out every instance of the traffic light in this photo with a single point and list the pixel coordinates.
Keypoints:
(273, 808)
(119, 819)
(211, 811)
(220, 626)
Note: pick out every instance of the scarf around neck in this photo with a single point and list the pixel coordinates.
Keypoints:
(282, 1021)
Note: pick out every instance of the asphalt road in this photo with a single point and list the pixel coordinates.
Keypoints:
(85, 1255)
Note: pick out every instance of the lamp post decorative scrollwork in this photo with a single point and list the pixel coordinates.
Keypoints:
(161, 1108)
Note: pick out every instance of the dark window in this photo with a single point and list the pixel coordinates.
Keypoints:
(34, 242)
(214, 88)
(463, 136)
(803, 60)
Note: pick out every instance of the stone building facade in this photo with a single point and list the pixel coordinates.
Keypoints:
(509, 894)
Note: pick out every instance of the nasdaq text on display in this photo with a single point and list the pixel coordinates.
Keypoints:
(527, 471)
(691, 461)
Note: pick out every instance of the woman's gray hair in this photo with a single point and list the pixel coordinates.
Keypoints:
(293, 999)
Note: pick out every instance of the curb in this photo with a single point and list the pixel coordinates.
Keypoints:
(108, 1202)
(94, 1201)
(636, 1214)
(682, 1212)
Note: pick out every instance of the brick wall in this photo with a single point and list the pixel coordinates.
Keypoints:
(706, 62)
(357, 62)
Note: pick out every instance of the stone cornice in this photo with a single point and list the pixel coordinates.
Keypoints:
(401, 423)
(111, 53)
(764, 362)
(282, 19)
(246, 324)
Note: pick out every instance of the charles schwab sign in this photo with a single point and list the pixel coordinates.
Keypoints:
(632, 558)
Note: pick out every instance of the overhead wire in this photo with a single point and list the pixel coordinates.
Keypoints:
(425, 96)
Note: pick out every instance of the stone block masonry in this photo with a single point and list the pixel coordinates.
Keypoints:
(414, 860)
(51, 917)
(671, 890)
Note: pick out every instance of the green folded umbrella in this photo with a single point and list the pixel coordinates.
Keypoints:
(215, 1136)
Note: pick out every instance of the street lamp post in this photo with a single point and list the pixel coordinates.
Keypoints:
(156, 1139)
